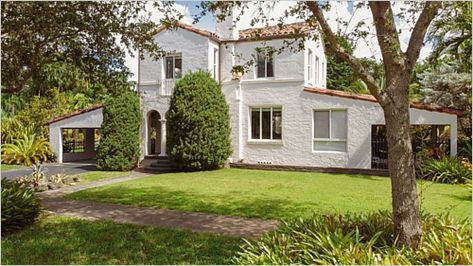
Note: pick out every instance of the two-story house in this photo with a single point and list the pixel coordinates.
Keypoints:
(281, 111)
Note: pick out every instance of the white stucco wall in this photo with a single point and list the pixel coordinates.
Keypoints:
(317, 51)
(194, 49)
(92, 119)
(287, 65)
(296, 146)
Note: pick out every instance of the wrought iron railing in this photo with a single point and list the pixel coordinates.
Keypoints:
(167, 86)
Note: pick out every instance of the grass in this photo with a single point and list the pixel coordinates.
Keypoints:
(99, 175)
(63, 240)
(6, 167)
(273, 194)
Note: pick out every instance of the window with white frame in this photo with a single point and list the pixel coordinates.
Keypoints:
(316, 67)
(215, 64)
(330, 130)
(264, 66)
(309, 66)
(173, 66)
(266, 123)
(323, 73)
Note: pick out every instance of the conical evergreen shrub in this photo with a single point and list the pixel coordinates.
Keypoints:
(198, 135)
(119, 148)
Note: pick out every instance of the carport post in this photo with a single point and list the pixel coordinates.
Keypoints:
(453, 138)
(55, 140)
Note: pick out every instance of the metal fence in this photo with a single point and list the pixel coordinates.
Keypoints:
(379, 153)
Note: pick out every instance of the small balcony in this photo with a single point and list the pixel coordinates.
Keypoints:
(167, 86)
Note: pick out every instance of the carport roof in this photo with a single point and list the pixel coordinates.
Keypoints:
(370, 98)
(75, 113)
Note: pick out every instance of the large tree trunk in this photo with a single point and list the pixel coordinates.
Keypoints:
(406, 213)
(395, 102)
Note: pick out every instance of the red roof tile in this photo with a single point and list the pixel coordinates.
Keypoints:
(263, 33)
(275, 32)
(370, 98)
(190, 28)
(75, 113)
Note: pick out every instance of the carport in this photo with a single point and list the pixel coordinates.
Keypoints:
(74, 136)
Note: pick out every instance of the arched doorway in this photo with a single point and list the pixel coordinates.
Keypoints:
(154, 133)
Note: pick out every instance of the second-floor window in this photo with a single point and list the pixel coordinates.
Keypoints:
(214, 64)
(316, 70)
(309, 66)
(264, 66)
(173, 65)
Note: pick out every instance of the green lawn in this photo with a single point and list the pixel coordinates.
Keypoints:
(62, 240)
(6, 167)
(272, 194)
(99, 175)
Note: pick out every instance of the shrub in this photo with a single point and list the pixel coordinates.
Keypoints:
(445, 170)
(20, 207)
(359, 239)
(198, 129)
(119, 148)
(27, 149)
(465, 149)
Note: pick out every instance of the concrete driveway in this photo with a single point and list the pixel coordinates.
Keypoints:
(55, 168)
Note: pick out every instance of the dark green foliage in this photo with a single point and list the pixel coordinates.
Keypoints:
(20, 207)
(340, 75)
(119, 148)
(198, 129)
(447, 169)
(359, 239)
(81, 37)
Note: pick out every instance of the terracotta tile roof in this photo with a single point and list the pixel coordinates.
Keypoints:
(275, 32)
(190, 28)
(78, 112)
(370, 98)
(264, 33)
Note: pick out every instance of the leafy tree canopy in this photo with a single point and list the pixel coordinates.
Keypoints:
(82, 38)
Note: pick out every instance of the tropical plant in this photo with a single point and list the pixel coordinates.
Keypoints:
(12, 129)
(119, 148)
(25, 150)
(20, 206)
(359, 239)
(39, 173)
(198, 123)
(447, 169)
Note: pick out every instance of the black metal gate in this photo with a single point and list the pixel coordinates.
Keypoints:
(379, 153)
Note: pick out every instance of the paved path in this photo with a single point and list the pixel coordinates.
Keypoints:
(195, 221)
(54, 168)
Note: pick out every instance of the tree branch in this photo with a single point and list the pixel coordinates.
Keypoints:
(417, 37)
(340, 52)
(388, 38)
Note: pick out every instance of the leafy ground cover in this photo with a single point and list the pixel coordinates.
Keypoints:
(274, 194)
(64, 240)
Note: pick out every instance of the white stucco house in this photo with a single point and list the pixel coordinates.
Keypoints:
(282, 112)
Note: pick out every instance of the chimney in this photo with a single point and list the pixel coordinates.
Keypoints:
(227, 29)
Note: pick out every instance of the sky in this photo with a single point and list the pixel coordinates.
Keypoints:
(346, 11)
